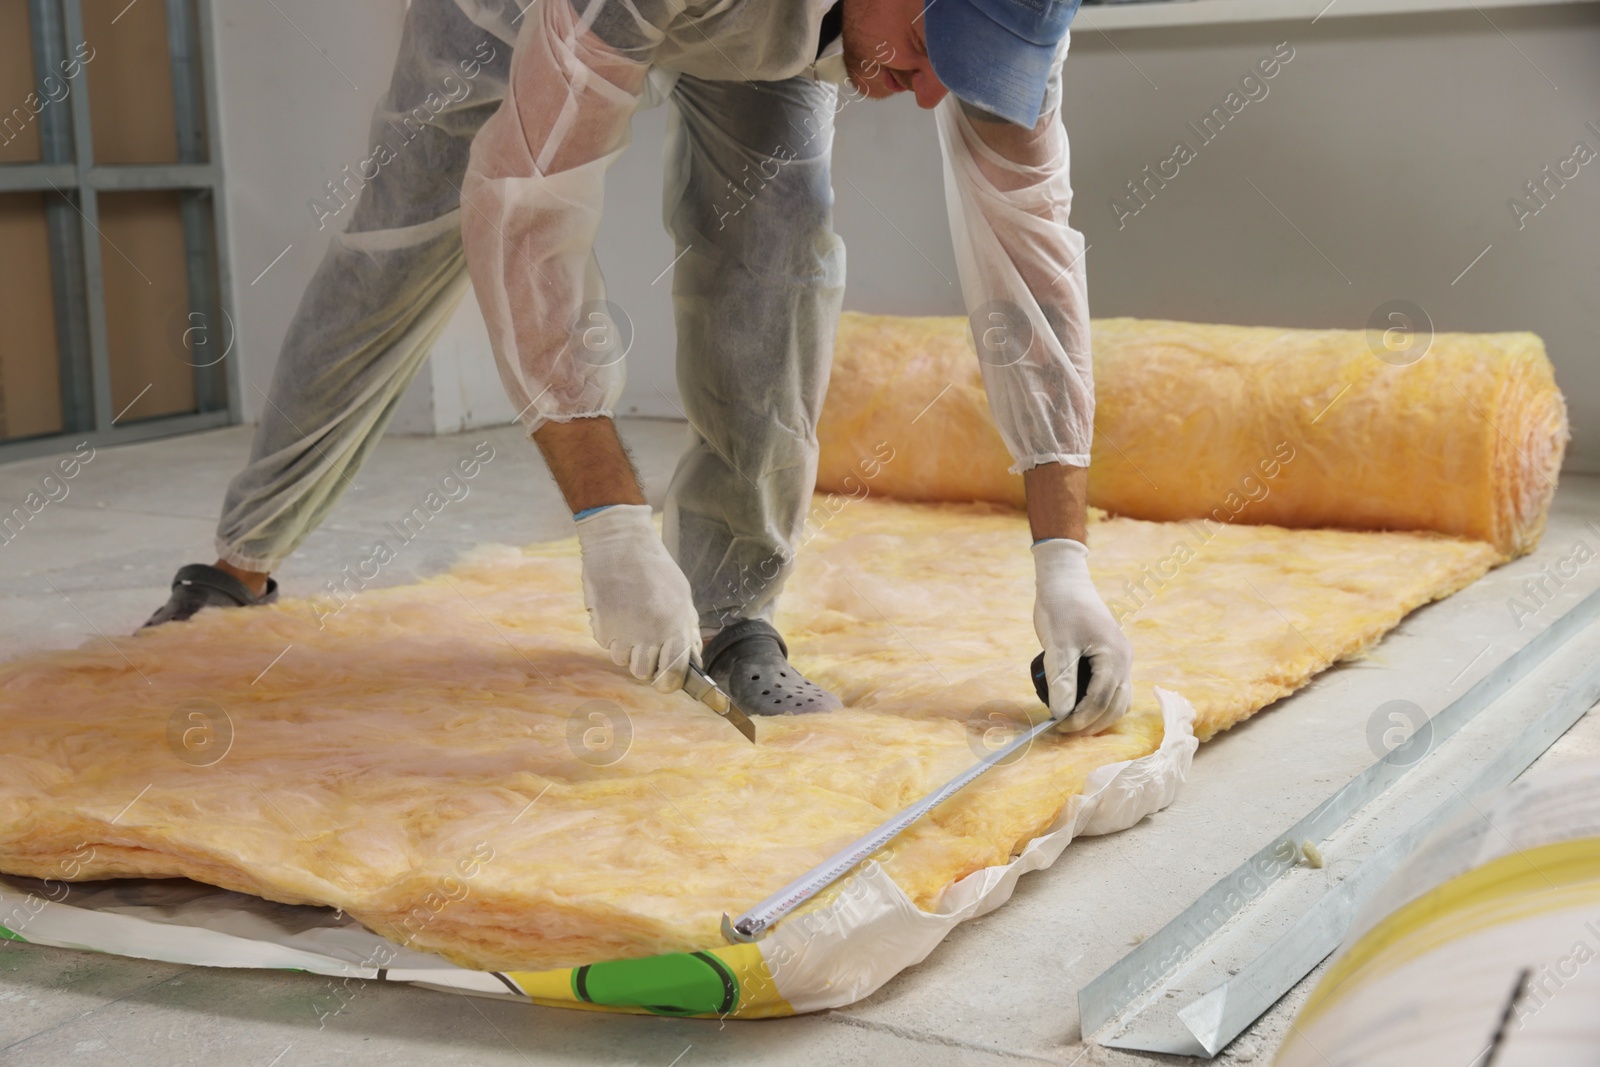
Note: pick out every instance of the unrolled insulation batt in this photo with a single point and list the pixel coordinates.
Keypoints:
(469, 723)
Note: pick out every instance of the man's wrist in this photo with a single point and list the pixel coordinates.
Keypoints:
(1058, 501)
(589, 463)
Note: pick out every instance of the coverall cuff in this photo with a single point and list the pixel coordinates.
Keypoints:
(233, 558)
(1071, 459)
(532, 420)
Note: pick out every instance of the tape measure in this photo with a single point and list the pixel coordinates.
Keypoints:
(753, 924)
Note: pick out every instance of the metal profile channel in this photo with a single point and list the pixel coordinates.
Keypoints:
(63, 175)
(1223, 1012)
(134, 432)
(55, 127)
(57, 172)
(89, 206)
(186, 82)
(136, 177)
(205, 44)
(204, 328)
(41, 177)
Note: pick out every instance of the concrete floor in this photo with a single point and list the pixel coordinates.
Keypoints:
(1000, 989)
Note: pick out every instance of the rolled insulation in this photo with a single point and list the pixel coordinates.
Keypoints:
(1296, 428)
(1478, 948)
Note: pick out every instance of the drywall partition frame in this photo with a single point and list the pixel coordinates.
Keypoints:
(72, 182)
(1265, 941)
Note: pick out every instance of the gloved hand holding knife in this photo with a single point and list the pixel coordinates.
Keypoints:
(641, 608)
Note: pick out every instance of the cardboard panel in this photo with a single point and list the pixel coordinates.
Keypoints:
(19, 121)
(146, 298)
(30, 383)
(130, 82)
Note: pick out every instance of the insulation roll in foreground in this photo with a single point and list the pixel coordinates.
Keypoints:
(1461, 434)
(1479, 949)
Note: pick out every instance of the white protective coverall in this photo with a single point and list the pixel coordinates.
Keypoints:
(385, 288)
(757, 290)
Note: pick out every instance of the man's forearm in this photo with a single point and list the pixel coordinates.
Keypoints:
(1058, 501)
(588, 462)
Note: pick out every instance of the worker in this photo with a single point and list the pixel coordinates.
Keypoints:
(753, 87)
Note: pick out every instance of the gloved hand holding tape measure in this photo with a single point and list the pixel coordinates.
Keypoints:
(1077, 629)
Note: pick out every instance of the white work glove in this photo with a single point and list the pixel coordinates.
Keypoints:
(1072, 621)
(640, 606)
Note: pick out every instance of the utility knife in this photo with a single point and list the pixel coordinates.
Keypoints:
(698, 684)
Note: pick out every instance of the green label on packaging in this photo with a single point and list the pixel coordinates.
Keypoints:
(694, 983)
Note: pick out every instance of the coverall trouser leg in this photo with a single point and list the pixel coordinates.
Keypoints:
(756, 296)
(382, 294)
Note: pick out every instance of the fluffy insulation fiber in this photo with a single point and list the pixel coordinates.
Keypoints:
(1458, 433)
(455, 763)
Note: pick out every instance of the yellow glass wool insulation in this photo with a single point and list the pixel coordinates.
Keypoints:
(1465, 440)
(429, 758)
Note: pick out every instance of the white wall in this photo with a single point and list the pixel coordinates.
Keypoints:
(1392, 142)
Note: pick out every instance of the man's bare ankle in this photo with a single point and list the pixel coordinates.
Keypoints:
(255, 581)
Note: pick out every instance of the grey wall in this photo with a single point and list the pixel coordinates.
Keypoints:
(1393, 143)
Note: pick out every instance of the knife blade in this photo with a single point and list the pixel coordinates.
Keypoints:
(698, 684)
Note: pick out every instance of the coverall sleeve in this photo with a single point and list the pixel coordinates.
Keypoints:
(1022, 277)
(532, 198)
